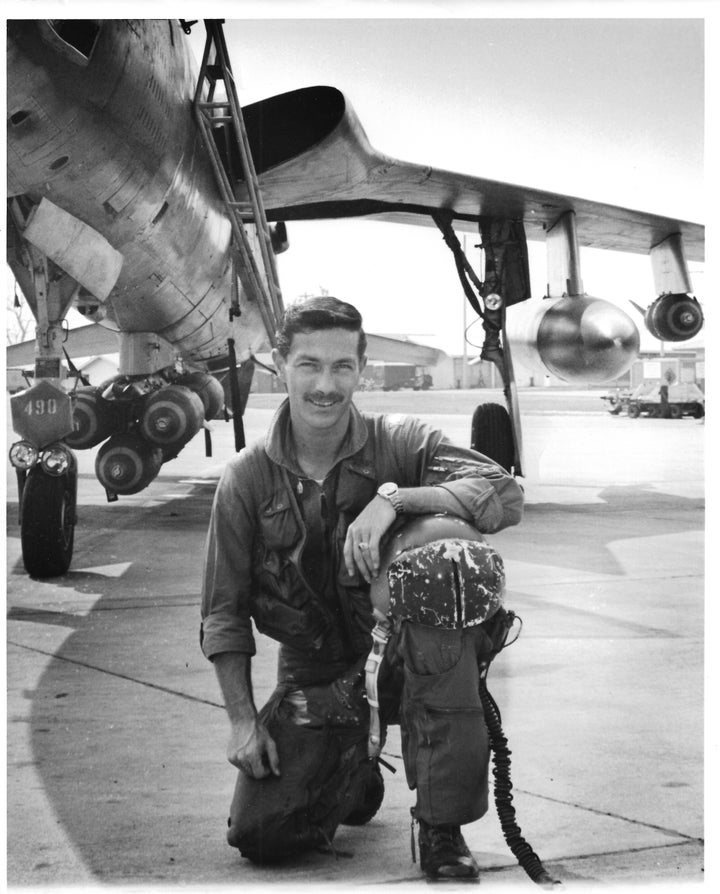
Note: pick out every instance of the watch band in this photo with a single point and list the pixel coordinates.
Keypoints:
(389, 492)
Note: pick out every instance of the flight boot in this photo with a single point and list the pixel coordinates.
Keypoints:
(444, 856)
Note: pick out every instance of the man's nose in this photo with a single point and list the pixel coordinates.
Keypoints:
(325, 381)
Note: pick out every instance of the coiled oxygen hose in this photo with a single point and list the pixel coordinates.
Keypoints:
(525, 855)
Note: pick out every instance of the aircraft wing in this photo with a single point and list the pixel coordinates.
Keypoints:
(332, 171)
(85, 341)
(94, 340)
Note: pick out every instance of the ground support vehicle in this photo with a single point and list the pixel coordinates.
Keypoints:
(660, 401)
(617, 402)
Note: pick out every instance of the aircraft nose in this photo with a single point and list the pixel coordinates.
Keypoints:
(588, 340)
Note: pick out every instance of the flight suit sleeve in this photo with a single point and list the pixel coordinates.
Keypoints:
(489, 496)
(227, 572)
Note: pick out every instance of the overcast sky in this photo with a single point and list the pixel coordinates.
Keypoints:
(608, 109)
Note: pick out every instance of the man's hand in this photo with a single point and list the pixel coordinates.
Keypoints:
(251, 747)
(252, 750)
(362, 544)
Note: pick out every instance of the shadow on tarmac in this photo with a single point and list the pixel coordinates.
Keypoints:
(612, 517)
(125, 719)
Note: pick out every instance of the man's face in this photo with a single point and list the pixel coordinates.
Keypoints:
(321, 372)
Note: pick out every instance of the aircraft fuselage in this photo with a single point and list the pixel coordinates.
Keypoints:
(100, 123)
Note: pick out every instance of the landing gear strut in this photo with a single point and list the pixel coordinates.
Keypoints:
(496, 430)
(42, 416)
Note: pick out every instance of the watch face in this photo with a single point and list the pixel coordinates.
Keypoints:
(388, 489)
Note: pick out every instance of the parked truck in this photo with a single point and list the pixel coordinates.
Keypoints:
(394, 376)
(658, 400)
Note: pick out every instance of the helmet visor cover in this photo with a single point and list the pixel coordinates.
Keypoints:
(447, 583)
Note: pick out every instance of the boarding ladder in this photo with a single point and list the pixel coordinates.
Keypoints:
(214, 113)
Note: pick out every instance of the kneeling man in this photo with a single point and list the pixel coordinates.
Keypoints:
(294, 545)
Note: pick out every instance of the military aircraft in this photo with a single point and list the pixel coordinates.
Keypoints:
(142, 194)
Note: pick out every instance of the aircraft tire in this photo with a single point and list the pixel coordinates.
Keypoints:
(47, 527)
(698, 411)
(633, 411)
(491, 434)
(675, 411)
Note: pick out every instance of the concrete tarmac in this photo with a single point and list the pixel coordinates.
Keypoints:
(116, 732)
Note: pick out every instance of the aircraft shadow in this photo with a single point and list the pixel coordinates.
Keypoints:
(119, 729)
(577, 535)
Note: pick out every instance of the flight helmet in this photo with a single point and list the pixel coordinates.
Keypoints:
(439, 571)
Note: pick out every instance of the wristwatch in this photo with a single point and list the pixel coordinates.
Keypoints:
(389, 491)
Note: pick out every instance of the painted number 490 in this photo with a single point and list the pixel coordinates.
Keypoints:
(42, 407)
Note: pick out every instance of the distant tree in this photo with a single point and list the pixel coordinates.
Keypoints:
(320, 293)
(20, 321)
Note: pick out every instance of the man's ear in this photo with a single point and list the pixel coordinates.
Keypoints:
(363, 363)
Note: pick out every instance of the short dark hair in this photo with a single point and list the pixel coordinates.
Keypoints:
(324, 312)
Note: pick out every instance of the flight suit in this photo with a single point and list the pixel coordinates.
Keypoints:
(274, 555)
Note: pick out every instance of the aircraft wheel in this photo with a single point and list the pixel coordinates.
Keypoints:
(653, 412)
(633, 411)
(675, 411)
(47, 527)
(491, 434)
(698, 411)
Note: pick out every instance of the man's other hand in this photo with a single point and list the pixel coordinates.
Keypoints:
(252, 749)
(362, 544)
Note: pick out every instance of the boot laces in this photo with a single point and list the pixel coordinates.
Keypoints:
(445, 839)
